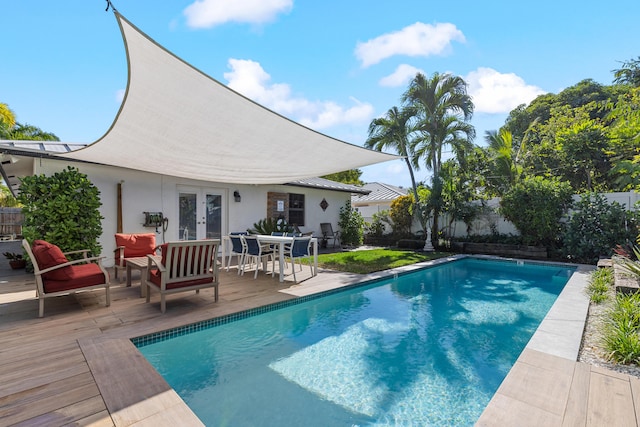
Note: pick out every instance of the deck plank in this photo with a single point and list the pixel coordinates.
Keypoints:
(610, 401)
(575, 414)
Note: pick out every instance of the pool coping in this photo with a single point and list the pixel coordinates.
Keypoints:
(135, 394)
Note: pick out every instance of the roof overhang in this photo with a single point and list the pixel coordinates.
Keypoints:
(175, 120)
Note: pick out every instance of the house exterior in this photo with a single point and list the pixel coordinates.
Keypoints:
(378, 199)
(189, 209)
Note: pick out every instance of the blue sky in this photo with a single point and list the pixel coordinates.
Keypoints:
(330, 65)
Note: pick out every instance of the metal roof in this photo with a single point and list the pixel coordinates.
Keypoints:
(379, 192)
(329, 185)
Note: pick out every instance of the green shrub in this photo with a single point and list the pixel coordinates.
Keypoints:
(600, 283)
(596, 227)
(377, 228)
(351, 225)
(535, 206)
(62, 209)
(401, 215)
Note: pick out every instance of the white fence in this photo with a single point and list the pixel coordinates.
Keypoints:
(490, 222)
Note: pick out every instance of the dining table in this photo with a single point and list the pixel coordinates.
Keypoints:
(280, 242)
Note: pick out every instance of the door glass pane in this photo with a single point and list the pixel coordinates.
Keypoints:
(187, 220)
(214, 216)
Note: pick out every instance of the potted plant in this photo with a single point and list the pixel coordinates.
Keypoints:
(16, 261)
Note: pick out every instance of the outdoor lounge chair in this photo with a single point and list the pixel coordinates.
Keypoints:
(132, 246)
(328, 233)
(56, 275)
(184, 266)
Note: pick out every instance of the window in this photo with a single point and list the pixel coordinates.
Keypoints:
(296, 209)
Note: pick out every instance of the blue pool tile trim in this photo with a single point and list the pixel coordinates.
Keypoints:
(229, 318)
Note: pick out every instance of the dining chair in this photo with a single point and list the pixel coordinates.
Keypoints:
(299, 249)
(253, 249)
(236, 248)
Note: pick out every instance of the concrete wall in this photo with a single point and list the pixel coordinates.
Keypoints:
(147, 192)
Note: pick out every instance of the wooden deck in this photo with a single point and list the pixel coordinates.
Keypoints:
(76, 366)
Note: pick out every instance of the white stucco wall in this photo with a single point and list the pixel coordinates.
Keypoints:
(142, 191)
(369, 209)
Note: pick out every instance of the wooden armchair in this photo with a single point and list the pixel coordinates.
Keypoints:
(188, 265)
(56, 275)
(132, 246)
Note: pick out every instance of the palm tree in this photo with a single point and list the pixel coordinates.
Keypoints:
(30, 133)
(505, 159)
(443, 109)
(629, 73)
(393, 131)
(7, 120)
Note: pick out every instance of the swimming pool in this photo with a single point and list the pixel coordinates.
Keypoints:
(425, 348)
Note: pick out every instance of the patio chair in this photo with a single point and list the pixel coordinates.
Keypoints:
(328, 233)
(299, 249)
(184, 266)
(253, 249)
(56, 275)
(132, 246)
(236, 248)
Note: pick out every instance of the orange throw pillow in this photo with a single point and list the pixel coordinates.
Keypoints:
(136, 245)
(48, 255)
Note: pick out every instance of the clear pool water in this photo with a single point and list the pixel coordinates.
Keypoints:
(428, 348)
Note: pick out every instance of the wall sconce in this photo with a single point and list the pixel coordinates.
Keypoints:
(236, 196)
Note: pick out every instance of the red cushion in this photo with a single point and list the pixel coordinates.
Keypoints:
(136, 245)
(80, 276)
(49, 255)
(156, 278)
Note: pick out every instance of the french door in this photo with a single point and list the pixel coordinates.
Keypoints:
(199, 213)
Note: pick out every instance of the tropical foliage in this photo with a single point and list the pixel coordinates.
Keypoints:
(595, 227)
(584, 139)
(434, 116)
(535, 206)
(11, 129)
(351, 225)
(62, 209)
(400, 215)
(351, 176)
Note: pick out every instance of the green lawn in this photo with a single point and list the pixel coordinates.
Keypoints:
(369, 261)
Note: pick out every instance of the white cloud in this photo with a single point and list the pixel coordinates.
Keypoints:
(401, 76)
(120, 95)
(209, 13)
(249, 78)
(495, 92)
(418, 39)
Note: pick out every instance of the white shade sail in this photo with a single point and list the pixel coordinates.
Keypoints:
(175, 120)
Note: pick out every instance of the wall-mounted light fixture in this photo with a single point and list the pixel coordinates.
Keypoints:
(236, 196)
